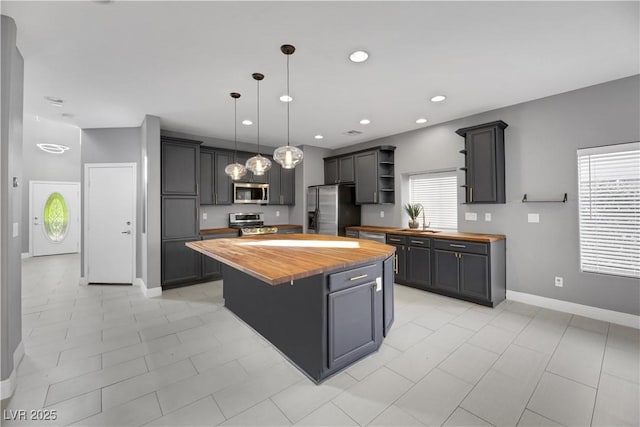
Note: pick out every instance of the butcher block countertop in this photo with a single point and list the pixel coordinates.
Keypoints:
(279, 258)
(209, 231)
(451, 235)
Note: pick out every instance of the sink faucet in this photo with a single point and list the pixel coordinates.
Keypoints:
(424, 222)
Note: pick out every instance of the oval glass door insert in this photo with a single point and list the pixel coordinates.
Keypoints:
(56, 218)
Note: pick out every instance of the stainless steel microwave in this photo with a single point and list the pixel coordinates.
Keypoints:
(245, 192)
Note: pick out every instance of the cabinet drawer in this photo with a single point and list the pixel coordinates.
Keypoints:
(461, 246)
(354, 277)
(424, 242)
(395, 239)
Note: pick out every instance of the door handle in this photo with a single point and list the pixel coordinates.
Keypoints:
(126, 232)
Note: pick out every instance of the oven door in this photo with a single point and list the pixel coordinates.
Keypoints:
(250, 193)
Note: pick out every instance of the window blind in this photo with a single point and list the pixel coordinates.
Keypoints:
(438, 193)
(609, 209)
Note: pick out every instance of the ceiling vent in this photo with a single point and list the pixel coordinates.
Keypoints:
(353, 132)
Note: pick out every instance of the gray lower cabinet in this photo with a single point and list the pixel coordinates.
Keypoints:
(446, 271)
(352, 233)
(355, 320)
(400, 257)
(418, 266)
(212, 268)
(180, 264)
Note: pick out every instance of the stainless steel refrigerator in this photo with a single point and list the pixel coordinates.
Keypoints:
(331, 208)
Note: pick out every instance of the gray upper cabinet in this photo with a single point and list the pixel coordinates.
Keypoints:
(180, 217)
(346, 169)
(331, 175)
(215, 184)
(366, 177)
(484, 162)
(288, 186)
(206, 177)
(180, 161)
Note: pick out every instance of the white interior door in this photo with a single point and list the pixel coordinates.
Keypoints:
(110, 229)
(54, 208)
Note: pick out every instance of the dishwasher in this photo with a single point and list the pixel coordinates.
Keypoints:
(375, 236)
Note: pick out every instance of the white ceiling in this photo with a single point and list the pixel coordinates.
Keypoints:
(113, 63)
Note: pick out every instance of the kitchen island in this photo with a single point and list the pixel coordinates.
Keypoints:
(323, 301)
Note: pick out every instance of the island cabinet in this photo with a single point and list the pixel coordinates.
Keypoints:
(484, 162)
(470, 270)
(215, 184)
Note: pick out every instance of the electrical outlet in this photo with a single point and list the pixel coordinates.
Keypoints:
(559, 282)
(204, 215)
(277, 213)
(381, 214)
(16, 229)
(533, 217)
(487, 217)
(471, 216)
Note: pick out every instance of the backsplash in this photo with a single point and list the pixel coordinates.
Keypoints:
(218, 216)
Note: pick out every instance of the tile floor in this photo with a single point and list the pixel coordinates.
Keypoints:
(106, 355)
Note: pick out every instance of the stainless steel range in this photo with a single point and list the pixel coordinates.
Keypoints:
(250, 224)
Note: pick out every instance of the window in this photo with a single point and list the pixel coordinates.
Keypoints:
(56, 217)
(609, 209)
(438, 193)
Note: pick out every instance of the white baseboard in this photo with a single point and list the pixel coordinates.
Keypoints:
(148, 292)
(8, 386)
(26, 255)
(625, 319)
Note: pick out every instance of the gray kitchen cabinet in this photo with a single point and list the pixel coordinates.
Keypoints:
(418, 265)
(289, 230)
(331, 175)
(206, 177)
(366, 168)
(180, 264)
(179, 217)
(484, 162)
(223, 185)
(288, 187)
(346, 170)
(388, 268)
(355, 317)
(180, 166)
(352, 233)
(470, 270)
(400, 261)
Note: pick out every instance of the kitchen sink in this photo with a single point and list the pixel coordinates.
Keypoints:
(419, 230)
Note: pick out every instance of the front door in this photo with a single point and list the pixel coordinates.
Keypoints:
(55, 217)
(110, 229)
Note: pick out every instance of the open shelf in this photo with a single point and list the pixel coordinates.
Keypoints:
(525, 200)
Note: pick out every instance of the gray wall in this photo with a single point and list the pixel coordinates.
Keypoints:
(114, 145)
(43, 166)
(11, 107)
(540, 144)
(150, 228)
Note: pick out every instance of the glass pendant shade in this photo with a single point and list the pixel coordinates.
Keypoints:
(258, 165)
(235, 171)
(288, 156)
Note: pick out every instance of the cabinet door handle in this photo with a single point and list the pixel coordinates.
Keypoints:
(362, 276)
(393, 240)
(457, 246)
(417, 242)
(375, 197)
(471, 194)
(396, 264)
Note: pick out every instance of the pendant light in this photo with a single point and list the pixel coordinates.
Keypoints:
(287, 155)
(235, 170)
(257, 164)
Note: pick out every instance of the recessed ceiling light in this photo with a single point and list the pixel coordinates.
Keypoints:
(318, 137)
(53, 148)
(247, 122)
(286, 98)
(365, 121)
(54, 99)
(359, 56)
(421, 120)
(438, 98)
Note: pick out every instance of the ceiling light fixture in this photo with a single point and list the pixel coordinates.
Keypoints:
(53, 148)
(421, 120)
(288, 156)
(365, 121)
(318, 137)
(247, 122)
(438, 98)
(257, 164)
(359, 56)
(235, 170)
(286, 98)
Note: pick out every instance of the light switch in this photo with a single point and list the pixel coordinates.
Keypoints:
(381, 214)
(487, 217)
(533, 217)
(277, 213)
(204, 215)
(471, 216)
(16, 229)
